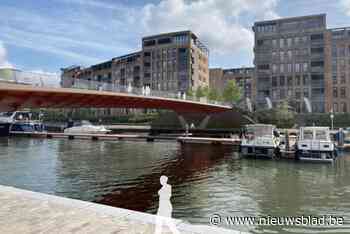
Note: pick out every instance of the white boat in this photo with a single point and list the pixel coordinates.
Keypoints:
(315, 144)
(260, 140)
(85, 127)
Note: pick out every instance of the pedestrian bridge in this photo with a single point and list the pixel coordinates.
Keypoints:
(15, 96)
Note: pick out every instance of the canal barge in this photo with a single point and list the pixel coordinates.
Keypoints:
(314, 144)
(260, 140)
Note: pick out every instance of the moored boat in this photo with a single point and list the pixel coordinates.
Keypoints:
(85, 127)
(315, 144)
(19, 122)
(260, 140)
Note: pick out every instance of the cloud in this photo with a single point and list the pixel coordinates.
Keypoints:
(345, 5)
(4, 63)
(217, 22)
(90, 31)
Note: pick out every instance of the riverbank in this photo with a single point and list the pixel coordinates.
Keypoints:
(24, 211)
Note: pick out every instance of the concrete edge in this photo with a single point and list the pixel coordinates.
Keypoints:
(114, 211)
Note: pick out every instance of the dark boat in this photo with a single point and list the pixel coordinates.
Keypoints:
(19, 121)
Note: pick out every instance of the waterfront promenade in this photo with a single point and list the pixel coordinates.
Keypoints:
(23, 211)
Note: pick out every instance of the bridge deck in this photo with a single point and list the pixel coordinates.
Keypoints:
(15, 96)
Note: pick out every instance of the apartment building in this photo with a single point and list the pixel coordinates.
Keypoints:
(242, 76)
(122, 71)
(289, 59)
(174, 62)
(338, 69)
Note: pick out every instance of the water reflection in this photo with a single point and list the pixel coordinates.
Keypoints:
(205, 179)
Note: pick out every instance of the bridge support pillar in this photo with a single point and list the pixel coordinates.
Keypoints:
(202, 123)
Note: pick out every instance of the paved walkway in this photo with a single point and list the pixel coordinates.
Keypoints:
(24, 211)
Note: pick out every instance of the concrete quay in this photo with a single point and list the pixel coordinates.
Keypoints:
(23, 211)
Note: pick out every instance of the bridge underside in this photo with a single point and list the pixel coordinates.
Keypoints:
(14, 96)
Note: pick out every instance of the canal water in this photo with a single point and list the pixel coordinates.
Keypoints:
(205, 180)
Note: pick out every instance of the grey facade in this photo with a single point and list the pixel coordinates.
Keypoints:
(290, 61)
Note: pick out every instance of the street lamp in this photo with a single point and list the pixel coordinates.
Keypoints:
(332, 118)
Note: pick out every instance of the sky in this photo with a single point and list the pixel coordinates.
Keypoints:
(47, 35)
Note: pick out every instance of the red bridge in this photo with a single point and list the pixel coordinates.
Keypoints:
(17, 96)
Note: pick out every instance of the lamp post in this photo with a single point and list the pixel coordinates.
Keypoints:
(332, 118)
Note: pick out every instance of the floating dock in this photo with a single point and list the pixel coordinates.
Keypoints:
(209, 140)
(23, 211)
(81, 136)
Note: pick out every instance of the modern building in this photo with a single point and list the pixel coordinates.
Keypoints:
(337, 73)
(290, 62)
(242, 76)
(175, 61)
(168, 62)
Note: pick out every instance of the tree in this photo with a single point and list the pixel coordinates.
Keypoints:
(189, 93)
(199, 92)
(205, 91)
(213, 94)
(232, 92)
(284, 115)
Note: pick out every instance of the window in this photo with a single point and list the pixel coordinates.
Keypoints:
(342, 79)
(297, 67)
(296, 40)
(274, 43)
(318, 50)
(305, 67)
(289, 54)
(274, 81)
(335, 107)
(317, 64)
(297, 80)
(281, 68)
(343, 92)
(164, 40)
(264, 67)
(344, 107)
(149, 43)
(281, 56)
(282, 81)
(335, 92)
(304, 39)
(274, 55)
(282, 94)
(341, 51)
(260, 42)
(316, 37)
(334, 78)
(305, 80)
(290, 81)
(274, 68)
(306, 93)
(281, 43)
(297, 94)
(289, 42)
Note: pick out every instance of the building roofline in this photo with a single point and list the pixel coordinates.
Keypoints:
(168, 34)
(126, 55)
(291, 18)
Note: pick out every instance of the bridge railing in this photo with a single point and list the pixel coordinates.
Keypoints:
(53, 81)
(145, 91)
